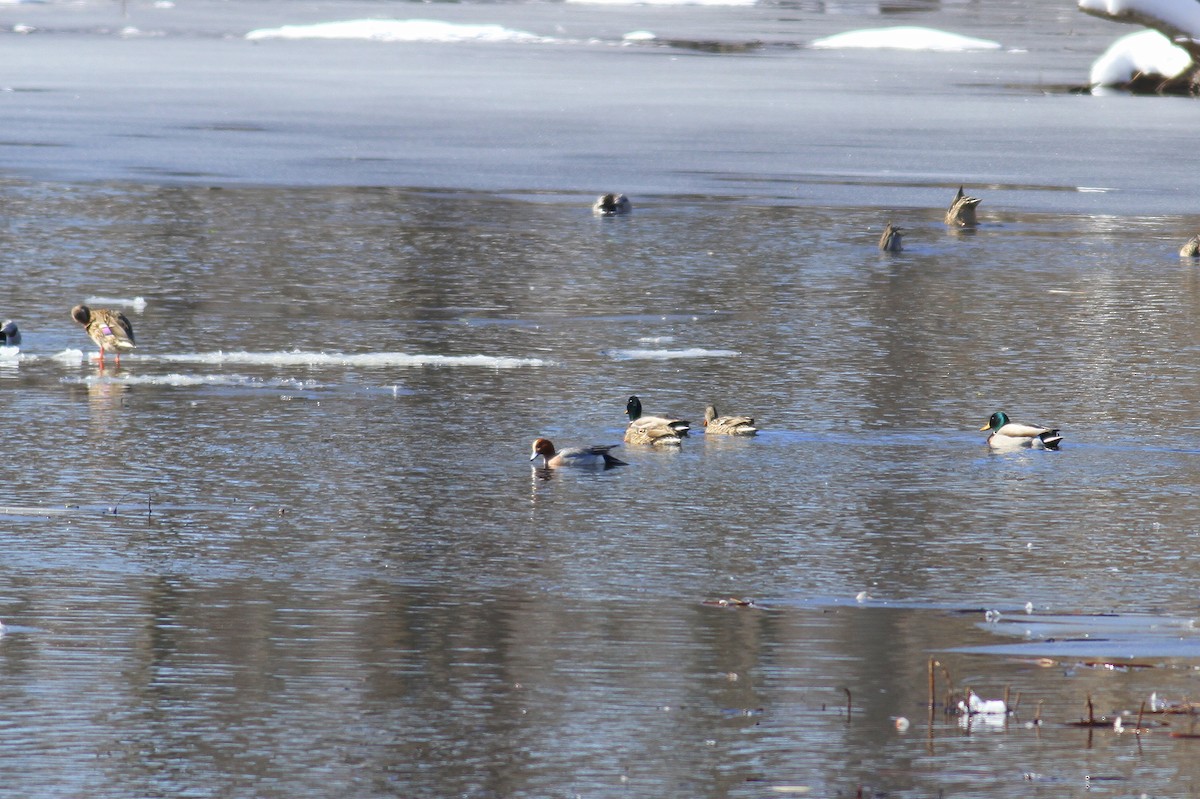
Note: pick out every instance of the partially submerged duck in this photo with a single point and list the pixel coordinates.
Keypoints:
(1191, 249)
(589, 457)
(890, 240)
(652, 435)
(728, 425)
(110, 330)
(10, 335)
(962, 210)
(1009, 435)
(612, 205)
(633, 409)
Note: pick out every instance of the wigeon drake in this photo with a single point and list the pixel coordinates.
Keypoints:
(728, 425)
(1010, 435)
(587, 457)
(891, 240)
(109, 329)
(962, 210)
(612, 205)
(633, 409)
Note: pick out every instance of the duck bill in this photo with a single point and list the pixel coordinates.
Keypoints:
(985, 427)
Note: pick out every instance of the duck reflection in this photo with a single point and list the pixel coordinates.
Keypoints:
(106, 398)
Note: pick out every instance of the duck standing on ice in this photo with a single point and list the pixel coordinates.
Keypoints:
(109, 329)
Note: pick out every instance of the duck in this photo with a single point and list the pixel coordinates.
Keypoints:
(890, 241)
(109, 329)
(727, 425)
(612, 205)
(596, 456)
(9, 333)
(962, 210)
(652, 435)
(633, 409)
(1191, 249)
(1007, 434)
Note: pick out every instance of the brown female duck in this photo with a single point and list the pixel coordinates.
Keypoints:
(110, 330)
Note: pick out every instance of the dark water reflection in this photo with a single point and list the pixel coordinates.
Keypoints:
(327, 561)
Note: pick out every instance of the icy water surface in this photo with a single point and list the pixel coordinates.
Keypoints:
(293, 545)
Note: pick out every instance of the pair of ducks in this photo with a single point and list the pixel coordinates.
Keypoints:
(109, 329)
(653, 431)
(961, 213)
(1005, 434)
(668, 431)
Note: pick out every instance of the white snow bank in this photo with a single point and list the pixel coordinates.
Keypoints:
(905, 38)
(397, 30)
(1179, 15)
(1146, 52)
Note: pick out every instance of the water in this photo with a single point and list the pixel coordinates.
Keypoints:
(293, 545)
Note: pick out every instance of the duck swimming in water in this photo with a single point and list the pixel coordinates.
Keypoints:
(962, 210)
(612, 205)
(652, 435)
(633, 409)
(109, 329)
(728, 425)
(594, 456)
(1009, 435)
(890, 241)
(1191, 249)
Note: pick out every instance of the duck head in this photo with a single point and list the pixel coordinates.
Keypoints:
(996, 421)
(81, 314)
(543, 447)
(633, 408)
(10, 333)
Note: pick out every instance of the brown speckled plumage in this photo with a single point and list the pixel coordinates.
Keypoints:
(961, 212)
(728, 425)
(890, 241)
(110, 330)
(1191, 249)
(652, 435)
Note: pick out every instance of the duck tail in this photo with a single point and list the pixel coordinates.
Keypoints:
(1050, 439)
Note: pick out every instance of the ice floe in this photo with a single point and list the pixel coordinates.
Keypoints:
(904, 37)
(136, 303)
(366, 359)
(398, 30)
(187, 380)
(665, 355)
(666, 2)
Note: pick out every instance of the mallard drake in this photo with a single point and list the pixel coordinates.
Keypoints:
(962, 210)
(10, 334)
(727, 425)
(633, 409)
(1007, 435)
(109, 329)
(612, 205)
(652, 435)
(1191, 249)
(594, 456)
(890, 241)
